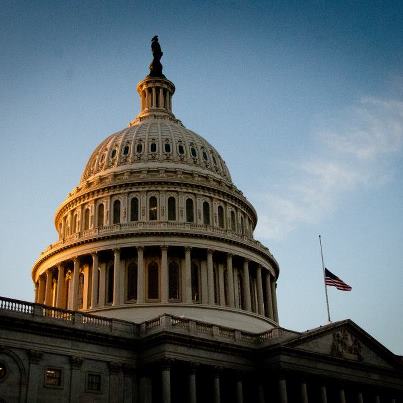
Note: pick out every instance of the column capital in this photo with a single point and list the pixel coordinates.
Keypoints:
(93, 254)
(210, 251)
(116, 250)
(167, 363)
(140, 248)
(164, 247)
(229, 255)
(76, 259)
(188, 248)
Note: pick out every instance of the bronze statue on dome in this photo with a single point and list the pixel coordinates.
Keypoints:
(156, 66)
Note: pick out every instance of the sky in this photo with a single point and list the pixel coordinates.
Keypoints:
(304, 101)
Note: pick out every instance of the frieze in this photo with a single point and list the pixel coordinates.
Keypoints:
(346, 345)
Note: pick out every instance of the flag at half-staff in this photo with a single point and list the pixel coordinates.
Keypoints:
(333, 281)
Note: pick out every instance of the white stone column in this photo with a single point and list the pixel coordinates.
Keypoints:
(269, 299)
(86, 288)
(60, 287)
(188, 276)
(239, 391)
(260, 302)
(230, 278)
(360, 398)
(282, 383)
(116, 277)
(95, 281)
(221, 285)
(164, 274)
(274, 298)
(192, 386)
(210, 277)
(74, 285)
(216, 388)
(102, 284)
(140, 275)
(304, 393)
(342, 396)
(246, 286)
(48, 288)
(323, 394)
(154, 97)
(166, 384)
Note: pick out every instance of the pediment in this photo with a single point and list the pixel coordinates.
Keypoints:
(345, 341)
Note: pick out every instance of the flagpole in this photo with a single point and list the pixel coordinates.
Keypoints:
(324, 279)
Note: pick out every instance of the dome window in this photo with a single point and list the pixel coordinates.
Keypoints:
(171, 209)
(132, 281)
(206, 213)
(116, 212)
(153, 281)
(195, 282)
(167, 147)
(139, 148)
(3, 370)
(214, 160)
(181, 149)
(205, 156)
(134, 209)
(153, 147)
(173, 276)
(153, 209)
(189, 210)
(193, 152)
(100, 217)
(220, 216)
(113, 154)
(126, 150)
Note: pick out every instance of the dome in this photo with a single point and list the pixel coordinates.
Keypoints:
(159, 143)
(155, 227)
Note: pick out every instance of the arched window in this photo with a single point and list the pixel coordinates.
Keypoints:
(100, 216)
(132, 281)
(81, 291)
(195, 283)
(220, 216)
(134, 209)
(67, 289)
(173, 272)
(109, 285)
(171, 209)
(206, 213)
(74, 225)
(233, 222)
(153, 208)
(189, 211)
(153, 281)
(86, 218)
(116, 212)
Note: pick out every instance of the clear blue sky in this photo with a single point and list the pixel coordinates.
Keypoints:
(304, 100)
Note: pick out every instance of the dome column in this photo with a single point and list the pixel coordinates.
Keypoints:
(48, 289)
(95, 280)
(230, 277)
(72, 305)
(210, 277)
(60, 287)
(140, 275)
(274, 297)
(246, 286)
(269, 299)
(260, 302)
(188, 276)
(164, 274)
(116, 277)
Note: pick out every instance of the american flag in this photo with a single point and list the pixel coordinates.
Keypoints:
(332, 280)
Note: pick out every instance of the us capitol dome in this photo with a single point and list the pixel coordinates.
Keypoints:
(156, 226)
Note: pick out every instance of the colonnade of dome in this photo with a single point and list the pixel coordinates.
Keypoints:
(157, 226)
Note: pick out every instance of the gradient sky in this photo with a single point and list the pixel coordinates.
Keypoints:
(304, 101)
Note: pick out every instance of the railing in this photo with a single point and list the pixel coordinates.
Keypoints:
(72, 318)
(155, 226)
(164, 322)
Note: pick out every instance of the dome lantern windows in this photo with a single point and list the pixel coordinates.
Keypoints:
(181, 149)
(153, 147)
(86, 219)
(113, 153)
(126, 150)
(205, 156)
(193, 152)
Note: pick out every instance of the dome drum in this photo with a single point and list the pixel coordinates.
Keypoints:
(157, 226)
